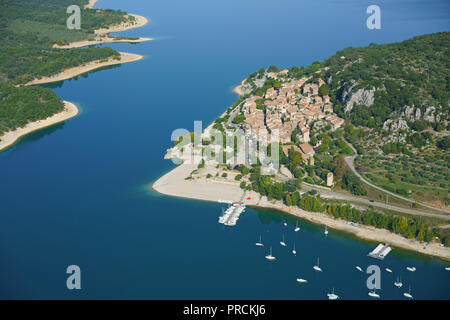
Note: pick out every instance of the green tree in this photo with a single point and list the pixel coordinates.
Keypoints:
(324, 90)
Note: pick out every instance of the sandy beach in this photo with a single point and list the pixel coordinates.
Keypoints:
(174, 184)
(91, 4)
(238, 89)
(103, 36)
(76, 71)
(106, 39)
(9, 138)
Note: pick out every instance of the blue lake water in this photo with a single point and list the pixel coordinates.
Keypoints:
(77, 193)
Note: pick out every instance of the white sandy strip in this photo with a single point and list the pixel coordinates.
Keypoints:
(91, 4)
(10, 137)
(173, 184)
(140, 21)
(238, 89)
(93, 65)
(104, 34)
(106, 39)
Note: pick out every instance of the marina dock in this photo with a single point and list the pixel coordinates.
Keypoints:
(380, 252)
(231, 215)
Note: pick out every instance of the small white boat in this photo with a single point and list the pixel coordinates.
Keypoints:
(300, 280)
(373, 294)
(447, 268)
(359, 268)
(270, 256)
(294, 252)
(326, 231)
(408, 294)
(398, 283)
(317, 267)
(297, 228)
(259, 243)
(285, 224)
(332, 296)
(412, 269)
(282, 242)
(388, 270)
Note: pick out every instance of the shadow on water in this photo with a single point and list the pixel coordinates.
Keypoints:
(59, 84)
(35, 135)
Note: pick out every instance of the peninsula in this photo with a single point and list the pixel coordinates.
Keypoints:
(62, 57)
(306, 117)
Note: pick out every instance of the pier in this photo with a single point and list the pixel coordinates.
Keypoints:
(380, 252)
(231, 215)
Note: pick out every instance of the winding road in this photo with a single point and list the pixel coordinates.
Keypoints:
(341, 196)
(350, 163)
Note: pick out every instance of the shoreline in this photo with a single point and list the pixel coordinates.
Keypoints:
(90, 4)
(173, 183)
(79, 70)
(238, 89)
(106, 38)
(11, 137)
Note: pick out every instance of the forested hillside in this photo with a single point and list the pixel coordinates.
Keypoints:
(18, 106)
(396, 97)
(395, 100)
(28, 30)
(390, 78)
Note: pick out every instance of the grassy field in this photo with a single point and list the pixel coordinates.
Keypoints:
(421, 178)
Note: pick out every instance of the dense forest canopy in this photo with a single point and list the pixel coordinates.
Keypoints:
(28, 30)
(414, 72)
(18, 106)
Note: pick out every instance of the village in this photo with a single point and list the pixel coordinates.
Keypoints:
(285, 111)
(294, 105)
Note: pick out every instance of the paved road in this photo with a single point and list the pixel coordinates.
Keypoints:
(350, 162)
(336, 195)
(326, 193)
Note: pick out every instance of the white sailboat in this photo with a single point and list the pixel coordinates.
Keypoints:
(270, 256)
(398, 283)
(411, 269)
(285, 224)
(297, 228)
(447, 268)
(317, 267)
(332, 296)
(359, 268)
(259, 243)
(300, 280)
(373, 294)
(294, 252)
(282, 242)
(388, 270)
(408, 294)
(326, 231)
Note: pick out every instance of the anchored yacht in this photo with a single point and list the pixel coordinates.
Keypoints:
(282, 242)
(398, 283)
(332, 296)
(270, 256)
(317, 267)
(259, 243)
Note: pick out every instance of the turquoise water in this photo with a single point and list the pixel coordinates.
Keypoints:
(77, 193)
